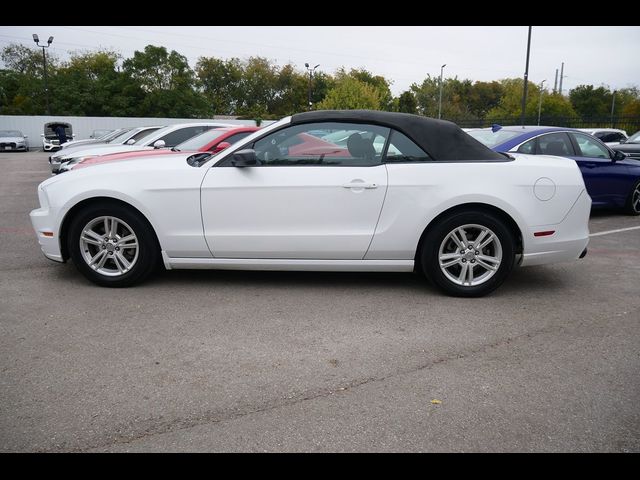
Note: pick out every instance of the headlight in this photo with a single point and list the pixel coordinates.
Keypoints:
(42, 198)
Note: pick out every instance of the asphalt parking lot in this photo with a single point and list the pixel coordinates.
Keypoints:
(246, 361)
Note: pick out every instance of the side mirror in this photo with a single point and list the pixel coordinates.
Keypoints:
(42, 134)
(221, 146)
(623, 140)
(159, 144)
(618, 155)
(131, 141)
(244, 158)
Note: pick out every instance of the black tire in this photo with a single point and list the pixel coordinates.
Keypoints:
(632, 206)
(148, 254)
(438, 233)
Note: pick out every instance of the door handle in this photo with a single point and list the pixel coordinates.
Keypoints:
(590, 165)
(360, 185)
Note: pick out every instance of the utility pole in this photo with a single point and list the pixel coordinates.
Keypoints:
(44, 63)
(540, 99)
(440, 97)
(310, 70)
(555, 83)
(613, 106)
(561, 77)
(526, 80)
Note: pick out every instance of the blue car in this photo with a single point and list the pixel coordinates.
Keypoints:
(612, 178)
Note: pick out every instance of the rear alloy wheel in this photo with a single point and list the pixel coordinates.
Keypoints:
(633, 202)
(112, 246)
(469, 254)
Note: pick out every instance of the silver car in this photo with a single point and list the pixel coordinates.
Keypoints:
(13, 140)
(609, 136)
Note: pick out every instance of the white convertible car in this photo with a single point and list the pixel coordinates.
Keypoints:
(405, 193)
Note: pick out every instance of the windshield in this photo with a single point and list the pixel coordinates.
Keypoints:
(10, 133)
(635, 138)
(199, 141)
(492, 139)
(122, 136)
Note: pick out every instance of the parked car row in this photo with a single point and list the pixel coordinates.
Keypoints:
(133, 140)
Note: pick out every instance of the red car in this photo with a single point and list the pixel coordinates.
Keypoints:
(214, 141)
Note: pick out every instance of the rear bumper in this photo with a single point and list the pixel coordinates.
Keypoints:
(569, 240)
(42, 222)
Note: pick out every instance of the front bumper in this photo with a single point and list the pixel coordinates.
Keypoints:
(42, 222)
(48, 147)
(569, 240)
(13, 148)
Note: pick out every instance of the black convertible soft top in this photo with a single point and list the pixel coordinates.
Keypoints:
(442, 140)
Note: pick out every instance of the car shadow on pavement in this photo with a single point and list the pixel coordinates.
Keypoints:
(530, 280)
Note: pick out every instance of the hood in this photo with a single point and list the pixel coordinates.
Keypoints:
(136, 165)
(113, 157)
(627, 147)
(12, 139)
(100, 149)
(74, 143)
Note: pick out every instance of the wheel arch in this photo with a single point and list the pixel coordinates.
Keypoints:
(102, 200)
(474, 206)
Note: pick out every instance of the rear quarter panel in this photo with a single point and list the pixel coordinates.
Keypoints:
(418, 193)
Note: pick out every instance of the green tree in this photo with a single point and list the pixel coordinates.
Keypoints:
(632, 109)
(168, 81)
(290, 92)
(407, 103)
(483, 96)
(589, 101)
(220, 81)
(257, 87)
(22, 82)
(91, 83)
(381, 84)
(26, 60)
(510, 105)
(351, 94)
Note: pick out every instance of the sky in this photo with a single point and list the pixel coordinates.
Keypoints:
(597, 55)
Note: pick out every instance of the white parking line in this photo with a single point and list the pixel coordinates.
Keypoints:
(614, 231)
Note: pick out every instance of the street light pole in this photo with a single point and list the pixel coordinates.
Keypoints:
(526, 80)
(44, 64)
(540, 100)
(310, 70)
(440, 98)
(613, 106)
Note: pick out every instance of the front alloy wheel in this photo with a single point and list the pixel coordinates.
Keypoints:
(109, 246)
(112, 245)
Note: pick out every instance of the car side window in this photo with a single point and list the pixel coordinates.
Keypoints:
(182, 135)
(590, 147)
(142, 134)
(403, 150)
(528, 147)
(613, 137)
(231, 139)
(558, 144)
(323, 144)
